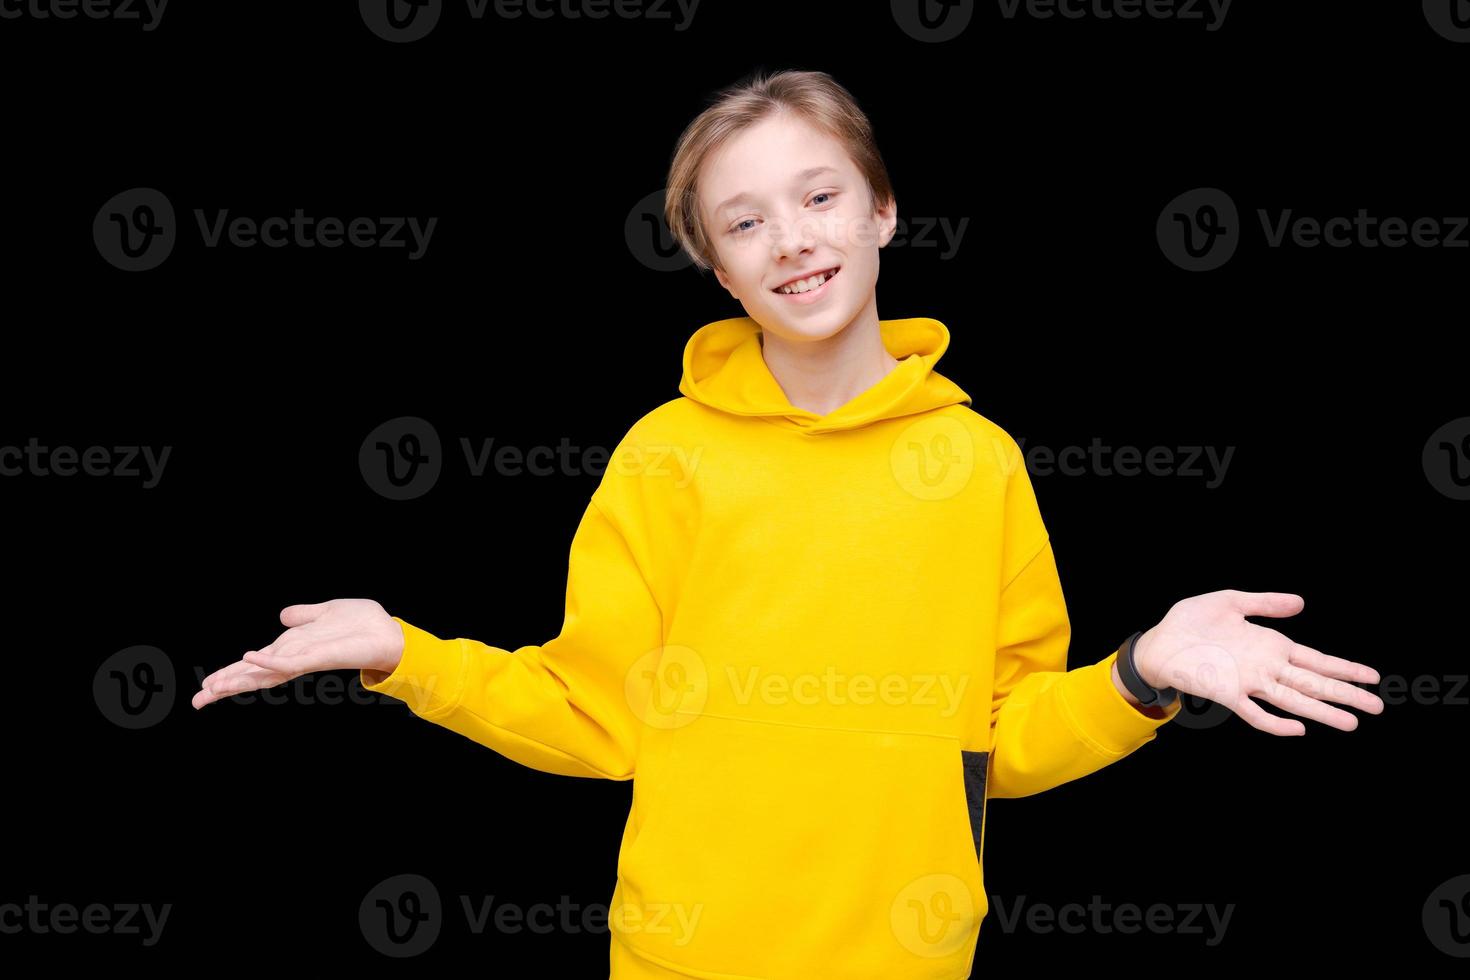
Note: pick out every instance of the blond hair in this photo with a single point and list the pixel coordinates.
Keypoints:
(813, 96)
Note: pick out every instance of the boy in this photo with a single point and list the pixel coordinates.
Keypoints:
(812, 609)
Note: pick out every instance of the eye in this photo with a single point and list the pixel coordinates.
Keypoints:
(738, 229)
(824, 194)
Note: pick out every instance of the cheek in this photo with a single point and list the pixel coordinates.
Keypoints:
(852, 233)
(748, 274)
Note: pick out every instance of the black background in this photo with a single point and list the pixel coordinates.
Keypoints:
(531, 319)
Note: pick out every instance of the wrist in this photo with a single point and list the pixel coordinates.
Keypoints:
(393, 645)
(1143, 661)
(1123, 688)
(1135, 679)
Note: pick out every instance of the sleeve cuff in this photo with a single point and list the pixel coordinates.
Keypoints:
(1102, 717)
(429, 677)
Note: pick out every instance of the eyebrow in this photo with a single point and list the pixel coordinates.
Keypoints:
(806, 174)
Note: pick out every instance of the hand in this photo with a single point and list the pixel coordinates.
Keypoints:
(340, 633)
(1205, 647)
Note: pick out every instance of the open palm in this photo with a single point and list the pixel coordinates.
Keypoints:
(333, 635)
(1204, 646)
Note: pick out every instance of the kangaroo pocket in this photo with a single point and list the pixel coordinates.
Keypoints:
(785, 852)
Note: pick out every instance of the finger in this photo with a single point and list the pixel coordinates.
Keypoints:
(247, 680)
(222, 678)
(1260, 718)
(201, 698)
(235, 667)
(1329, 689)
(1288, 698)
(302, 613)
(223, 684)
(1267, 603)
(1329, 666)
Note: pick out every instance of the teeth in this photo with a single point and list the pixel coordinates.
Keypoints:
(806, 285)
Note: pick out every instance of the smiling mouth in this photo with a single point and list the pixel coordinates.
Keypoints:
(809, 284)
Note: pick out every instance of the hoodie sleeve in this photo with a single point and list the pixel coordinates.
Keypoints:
(1049, 725)
(561, 707)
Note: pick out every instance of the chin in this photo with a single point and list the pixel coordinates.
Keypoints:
(816, 325)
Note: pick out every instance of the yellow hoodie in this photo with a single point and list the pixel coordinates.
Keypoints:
(817, 644)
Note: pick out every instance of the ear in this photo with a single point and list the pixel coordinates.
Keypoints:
(886, 219)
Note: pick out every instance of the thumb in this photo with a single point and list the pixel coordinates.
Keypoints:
(1268, 603)
(302, 613)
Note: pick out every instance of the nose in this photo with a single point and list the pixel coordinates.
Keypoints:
(791, 238)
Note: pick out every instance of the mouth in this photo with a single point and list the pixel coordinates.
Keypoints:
(810, 288)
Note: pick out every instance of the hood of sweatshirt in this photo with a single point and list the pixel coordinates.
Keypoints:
(725, 369)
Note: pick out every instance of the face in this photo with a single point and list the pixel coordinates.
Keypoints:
(782, 200)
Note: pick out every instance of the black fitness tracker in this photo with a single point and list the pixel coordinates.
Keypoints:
(1148, 696)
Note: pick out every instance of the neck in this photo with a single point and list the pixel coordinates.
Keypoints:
(823, 375)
